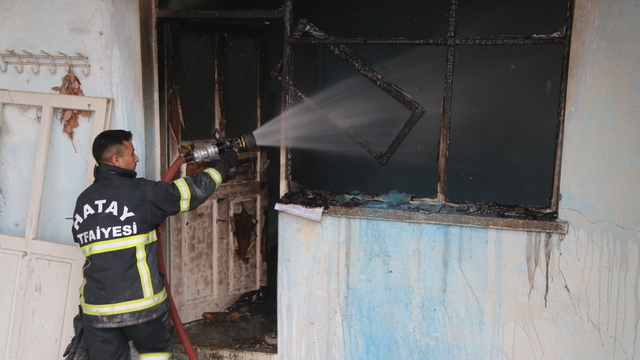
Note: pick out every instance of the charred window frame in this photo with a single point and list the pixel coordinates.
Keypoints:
(452, 42)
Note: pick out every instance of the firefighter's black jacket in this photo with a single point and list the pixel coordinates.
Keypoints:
(114, 224)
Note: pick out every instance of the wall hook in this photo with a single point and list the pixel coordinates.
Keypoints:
(68, 60)
(53, 62)
(86, 62)
(19, 61)
(36, 61)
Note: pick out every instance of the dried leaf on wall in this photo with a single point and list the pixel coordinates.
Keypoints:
(70, 86)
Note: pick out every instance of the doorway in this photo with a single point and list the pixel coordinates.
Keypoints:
(213, 76)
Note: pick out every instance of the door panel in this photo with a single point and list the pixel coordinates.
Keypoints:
(209, 269)
(40, 285)
(198, 250)
(11, 260)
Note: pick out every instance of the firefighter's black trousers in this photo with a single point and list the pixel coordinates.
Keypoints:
(151, 339)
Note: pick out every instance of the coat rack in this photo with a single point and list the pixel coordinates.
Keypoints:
(52, 62)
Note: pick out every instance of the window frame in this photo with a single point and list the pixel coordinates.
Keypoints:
(451, 41)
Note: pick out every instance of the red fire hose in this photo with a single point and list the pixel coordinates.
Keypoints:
(182, 334)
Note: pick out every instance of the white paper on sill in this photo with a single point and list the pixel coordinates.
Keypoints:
(314, 214)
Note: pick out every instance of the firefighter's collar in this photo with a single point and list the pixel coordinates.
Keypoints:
(105, 170)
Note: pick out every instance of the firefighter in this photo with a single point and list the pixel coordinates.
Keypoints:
(122, 297)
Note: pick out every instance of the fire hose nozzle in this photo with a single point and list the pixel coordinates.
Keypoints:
(246, 141)
(208, 152)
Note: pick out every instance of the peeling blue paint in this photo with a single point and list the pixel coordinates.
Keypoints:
(406, 290)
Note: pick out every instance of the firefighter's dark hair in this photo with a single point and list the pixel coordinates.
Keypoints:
(108, 143)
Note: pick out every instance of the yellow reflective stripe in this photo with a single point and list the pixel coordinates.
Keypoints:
(217, 178)
(185, 194)
(119, 244)
(156, 356)
(84, 282)
(143, 270)
(124, 307)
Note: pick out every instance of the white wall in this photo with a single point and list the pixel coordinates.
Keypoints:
(600, 159)
(600, 172)
(107, 32)
(39, 297)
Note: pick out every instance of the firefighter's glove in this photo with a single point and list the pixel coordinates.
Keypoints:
(76, 350)
(230, 157)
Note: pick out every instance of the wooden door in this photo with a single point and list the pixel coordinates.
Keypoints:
(213, 79)
(41, 269)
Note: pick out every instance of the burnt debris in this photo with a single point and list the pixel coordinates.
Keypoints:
(396, 200)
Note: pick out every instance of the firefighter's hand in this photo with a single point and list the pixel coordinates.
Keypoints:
(230, 157)
(76, 350)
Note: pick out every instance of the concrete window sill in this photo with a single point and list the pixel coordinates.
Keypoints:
(447, 218)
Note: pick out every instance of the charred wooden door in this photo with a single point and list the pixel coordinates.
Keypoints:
(214, 78)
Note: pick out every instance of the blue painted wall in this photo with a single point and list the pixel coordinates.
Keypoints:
(418, 296)
(373, 289)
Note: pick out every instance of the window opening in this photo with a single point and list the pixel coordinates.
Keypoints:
(532, 39)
